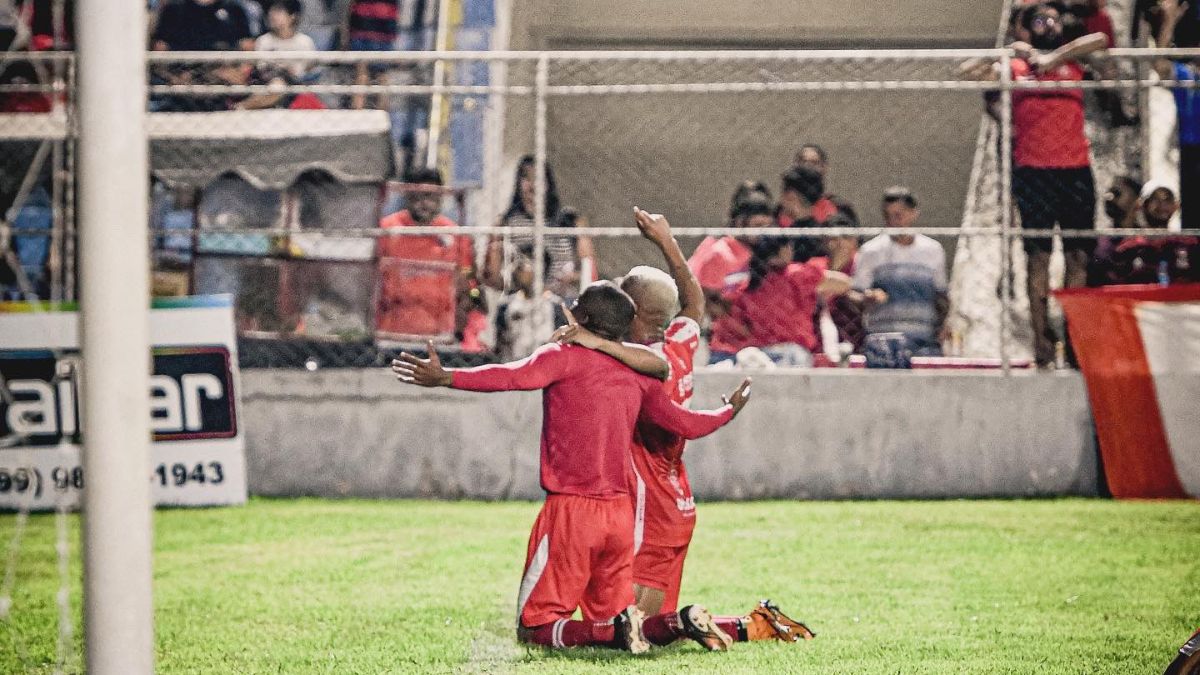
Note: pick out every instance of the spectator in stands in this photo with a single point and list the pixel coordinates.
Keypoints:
(565, 254)
(1094, 17)
(523, 322)
(1154, 13)
(1052, 176)
(425, 280)
(283, 20)
(776, 311)
(1121, 203)
(722, 266)
(202, 25)
(1159, 204)
(900, 279)
(1149, 260)
(814, 157)
(803, 187)
(843, 254)
(267, 74)
(372, 26)
(1187, 103)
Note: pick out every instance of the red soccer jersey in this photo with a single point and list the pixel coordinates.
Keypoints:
(590, 406)
(666, 510)
(781, 310)
(722, 265)
(417, 278)
(1048, 128)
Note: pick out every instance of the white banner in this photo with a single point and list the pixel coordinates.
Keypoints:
(198, 454)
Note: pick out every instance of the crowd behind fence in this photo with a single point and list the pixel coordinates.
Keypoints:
(823, 197)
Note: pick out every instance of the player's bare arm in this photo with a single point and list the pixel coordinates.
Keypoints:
(638, 358)
(428, 372)
(654, 226)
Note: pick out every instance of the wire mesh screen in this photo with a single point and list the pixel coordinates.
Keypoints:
(356, 204)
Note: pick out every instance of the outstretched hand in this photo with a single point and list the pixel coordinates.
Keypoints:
(429, 372)
(653, 226)
(740, 397)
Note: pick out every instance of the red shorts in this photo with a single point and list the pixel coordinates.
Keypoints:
(580, 556)
(661, 567)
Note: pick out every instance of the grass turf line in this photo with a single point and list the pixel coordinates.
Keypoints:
(311, 586)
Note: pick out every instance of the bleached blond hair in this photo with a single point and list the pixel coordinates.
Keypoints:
(652, 288)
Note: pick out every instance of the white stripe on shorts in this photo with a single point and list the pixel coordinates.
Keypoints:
(532, 573)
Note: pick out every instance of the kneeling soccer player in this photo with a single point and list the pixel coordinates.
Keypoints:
(665, 508)
(580, 552)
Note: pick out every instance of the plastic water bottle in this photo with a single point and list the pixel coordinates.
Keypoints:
(1164, 276)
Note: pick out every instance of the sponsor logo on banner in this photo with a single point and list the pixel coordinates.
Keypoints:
(198, 451)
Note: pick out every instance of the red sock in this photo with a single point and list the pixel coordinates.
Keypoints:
(733, 627)
(567, 633)
(663, 629)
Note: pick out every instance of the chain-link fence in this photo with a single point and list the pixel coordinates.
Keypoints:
(829, 201)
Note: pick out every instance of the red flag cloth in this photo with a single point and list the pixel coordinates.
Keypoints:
(1108, 339)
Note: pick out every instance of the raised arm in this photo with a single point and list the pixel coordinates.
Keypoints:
(547, 365)
(655, 227)
(1172, 12)
(660, 410)
(1073, 50)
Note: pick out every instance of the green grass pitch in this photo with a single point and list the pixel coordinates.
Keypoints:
(310, 586)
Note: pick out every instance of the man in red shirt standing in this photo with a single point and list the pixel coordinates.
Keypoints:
(665, 513)
(580, 552)
(423, 279)
(1052, 180)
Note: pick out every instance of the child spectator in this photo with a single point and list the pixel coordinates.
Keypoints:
(523, 322)
(778, 308)
(283, 20)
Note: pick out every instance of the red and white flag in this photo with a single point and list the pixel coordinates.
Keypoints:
(1139, 350)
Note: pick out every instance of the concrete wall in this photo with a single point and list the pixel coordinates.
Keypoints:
(683, 154)
(792, 24)
(826, 435)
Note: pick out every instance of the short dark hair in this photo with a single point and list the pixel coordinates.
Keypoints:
(805, 182)
(604, 309)
(423, 176)
(753, 204)
(900, 193)
(290, 6)
(1130, 182)
(744, 189)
